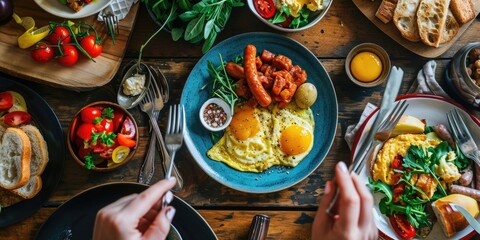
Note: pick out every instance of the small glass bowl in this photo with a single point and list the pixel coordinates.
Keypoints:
(222, 104)
(377, 50)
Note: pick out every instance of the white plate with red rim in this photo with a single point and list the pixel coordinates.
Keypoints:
(56, 8)
(433, 109)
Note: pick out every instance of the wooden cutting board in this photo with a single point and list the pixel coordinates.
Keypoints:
(369, 8)
(86, 74)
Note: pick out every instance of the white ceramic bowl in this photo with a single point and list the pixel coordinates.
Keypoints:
(55, 8)
(226, 108)
(314, 17)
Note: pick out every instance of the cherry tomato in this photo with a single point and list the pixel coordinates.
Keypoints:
(16, 118)
(402, 227)
(105, 125)
(85, 131)
(6, 101)
(59, 35)
(120, 153)
(89, 114)
(128, 128)
(266, 8)
(42, 53)
(286, 23)
(118, 118)
(92, 46)
(69, 57)
(124, 140)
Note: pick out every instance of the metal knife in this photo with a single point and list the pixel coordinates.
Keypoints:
(389, 95)
(470, 219)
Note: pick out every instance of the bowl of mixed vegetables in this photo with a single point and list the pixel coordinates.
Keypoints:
(289, 15)
(102, 136)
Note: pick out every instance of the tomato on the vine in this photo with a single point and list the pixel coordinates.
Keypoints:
(92, 46)
(266, 8)
(59, 34)
(6, 101)
(16, 118)
(42, 53)
(69, 57)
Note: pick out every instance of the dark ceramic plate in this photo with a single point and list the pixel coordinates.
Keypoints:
(325, 113)
(75, 218)
(47, 122)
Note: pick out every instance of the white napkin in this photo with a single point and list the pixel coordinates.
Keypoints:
(118, 7)
(425, 83)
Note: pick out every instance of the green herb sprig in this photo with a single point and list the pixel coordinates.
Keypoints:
(197, 22)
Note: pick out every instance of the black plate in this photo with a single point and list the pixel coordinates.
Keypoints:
(75, 218)
(47, 122)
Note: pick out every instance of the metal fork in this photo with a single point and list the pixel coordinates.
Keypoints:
(174, 136)
(462, 136)
(111, 22)
(383, 133)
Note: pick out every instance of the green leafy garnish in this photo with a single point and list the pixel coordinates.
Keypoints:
(107, 113)
(297, 22)
(222, 85)
(89, 159)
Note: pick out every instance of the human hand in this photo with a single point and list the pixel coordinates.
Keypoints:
(354, 219)
(137, 216)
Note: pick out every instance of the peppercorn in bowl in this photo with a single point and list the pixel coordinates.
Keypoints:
(215, 114)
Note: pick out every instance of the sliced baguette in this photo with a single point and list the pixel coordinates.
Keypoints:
(15, 152)
(385, 11)
(39, 158)
(451, 28)
(405, 19)
(30, 189)
(431, 17)
(463, 10)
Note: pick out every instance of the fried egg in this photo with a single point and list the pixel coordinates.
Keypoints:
(259, 138)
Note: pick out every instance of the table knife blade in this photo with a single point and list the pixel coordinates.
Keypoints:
(470, 219)
(389, 95)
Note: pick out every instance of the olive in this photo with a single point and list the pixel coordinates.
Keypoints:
(6, 11)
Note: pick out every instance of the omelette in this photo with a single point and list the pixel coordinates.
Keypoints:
(259, 138)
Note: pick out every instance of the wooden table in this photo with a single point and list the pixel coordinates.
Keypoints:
(228, 211)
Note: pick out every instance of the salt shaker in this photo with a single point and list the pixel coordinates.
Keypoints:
(259, 227)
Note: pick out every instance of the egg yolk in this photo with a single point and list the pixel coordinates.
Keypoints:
(244, 124)
(295, 140)
(366, 66)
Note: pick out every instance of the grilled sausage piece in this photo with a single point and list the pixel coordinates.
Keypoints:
(234, 70)
(466, 178)
(444, 134)
(251, 75)
(473, 193)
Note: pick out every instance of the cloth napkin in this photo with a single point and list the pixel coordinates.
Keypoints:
(118, 7)
(425, 83)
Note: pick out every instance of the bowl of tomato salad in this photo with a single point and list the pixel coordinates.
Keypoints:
(102, 136)
(289, 15)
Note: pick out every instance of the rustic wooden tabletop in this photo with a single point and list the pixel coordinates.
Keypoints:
(229, 212)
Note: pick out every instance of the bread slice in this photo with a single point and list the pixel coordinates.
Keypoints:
(15, 152)
(463, 10)
(2, 131)
(30, 189)
(405, 19)
(39, 158)
(451, 28)
(385, 11)
(450, 220)
(431, 17)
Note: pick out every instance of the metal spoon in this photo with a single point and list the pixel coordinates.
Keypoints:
(126, 101)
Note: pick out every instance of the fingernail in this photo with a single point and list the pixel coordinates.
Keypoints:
(172, 179)
(171, 213)
(168, 197)
(342, 166)
(328, 187)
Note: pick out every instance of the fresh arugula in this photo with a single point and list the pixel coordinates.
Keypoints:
(197, 22)
(222, 85)
(297, 22)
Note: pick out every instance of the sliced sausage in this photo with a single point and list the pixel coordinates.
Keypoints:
(471, 192)
(234, 70)
(267, 56)
(444, 134)
(466, 178)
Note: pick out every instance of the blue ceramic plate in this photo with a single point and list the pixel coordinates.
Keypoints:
(325, 112)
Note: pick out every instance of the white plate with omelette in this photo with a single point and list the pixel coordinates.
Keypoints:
(433, 109)
(324, 114)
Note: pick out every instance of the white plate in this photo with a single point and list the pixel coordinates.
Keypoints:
(434, 110)
(54, 7)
